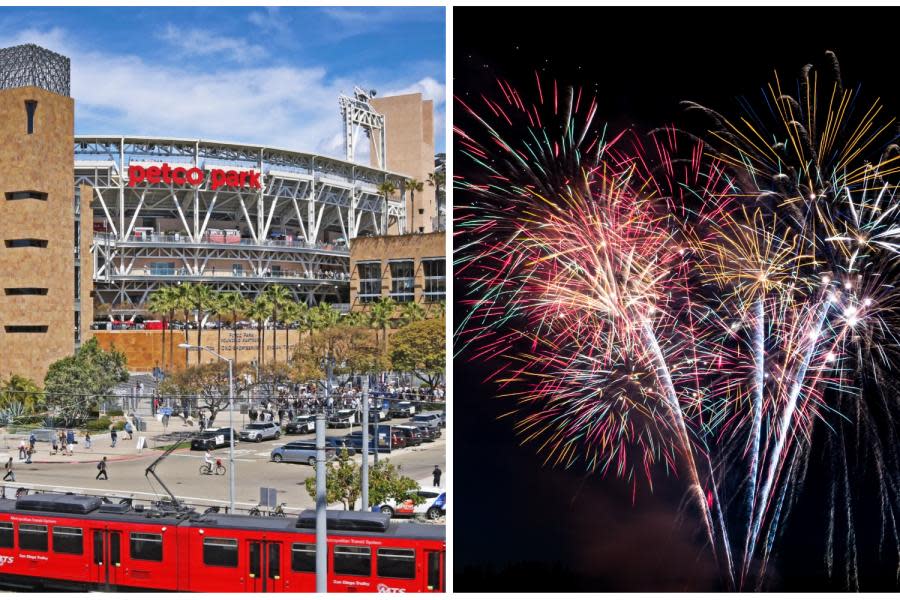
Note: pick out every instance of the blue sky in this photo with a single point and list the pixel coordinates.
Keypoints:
(258, 75)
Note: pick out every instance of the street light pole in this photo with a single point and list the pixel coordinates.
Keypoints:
(364, 488)
(230, 418)
(321, 507)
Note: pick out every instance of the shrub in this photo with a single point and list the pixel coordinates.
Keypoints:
(101, 424)
(116, 412)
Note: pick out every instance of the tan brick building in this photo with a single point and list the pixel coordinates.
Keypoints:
(405, 268)
(409, 130)
(40, 264)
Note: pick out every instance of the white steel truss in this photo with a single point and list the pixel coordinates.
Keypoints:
(295, 230)
(358, 114)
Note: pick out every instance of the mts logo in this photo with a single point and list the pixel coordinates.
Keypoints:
(194, 176)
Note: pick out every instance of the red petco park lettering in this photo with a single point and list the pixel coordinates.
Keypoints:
(193, 176)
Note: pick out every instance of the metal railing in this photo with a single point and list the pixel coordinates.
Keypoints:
(178, 239)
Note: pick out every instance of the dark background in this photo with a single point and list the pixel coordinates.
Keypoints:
(522, 526)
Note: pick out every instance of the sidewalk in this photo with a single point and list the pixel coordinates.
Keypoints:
(156, 437)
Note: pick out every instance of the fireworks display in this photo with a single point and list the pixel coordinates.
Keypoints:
(701, 306)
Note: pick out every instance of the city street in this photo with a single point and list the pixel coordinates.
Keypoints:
(180, 470)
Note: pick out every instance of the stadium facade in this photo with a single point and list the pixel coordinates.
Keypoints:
(93, 224)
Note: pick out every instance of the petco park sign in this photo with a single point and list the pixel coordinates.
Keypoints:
(218, 178)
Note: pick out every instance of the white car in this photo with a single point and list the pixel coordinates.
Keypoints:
(434, 505)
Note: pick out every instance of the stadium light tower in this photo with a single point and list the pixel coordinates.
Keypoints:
(358, 115)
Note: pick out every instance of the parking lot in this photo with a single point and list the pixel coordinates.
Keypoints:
(180, 471)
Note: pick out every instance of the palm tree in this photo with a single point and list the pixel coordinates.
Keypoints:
(181, 300)
(437, 181)
(277, 297)
(201, 298)
(234, 304)
(216, 308)
(259, 311)
(381, 314)
(326, 316)
(356, 319)
(160, 304)
(292, 312)
(413, 185)
(411, 312)
(386, 189)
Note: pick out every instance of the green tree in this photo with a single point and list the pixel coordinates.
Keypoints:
(386, 482)
(74, 384)
(217, 309)
(201, 298)
(410, 312)
(342, 482)
(293, 312)
(163, 301)
(381, 314)
(234, 304)
(278, 297)
(419, 348)
(181, 299)
(208, 382)
(259, 311)
(413, 185)
(22, 390)
(386, 189)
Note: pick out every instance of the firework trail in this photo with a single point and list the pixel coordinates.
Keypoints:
(657, 300)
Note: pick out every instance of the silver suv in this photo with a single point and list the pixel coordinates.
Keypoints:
(257, 432)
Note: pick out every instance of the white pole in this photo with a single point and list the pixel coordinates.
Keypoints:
(364, 404)
(230, 435)
(321, 519)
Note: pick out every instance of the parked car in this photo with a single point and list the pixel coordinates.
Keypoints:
(354, 440)
(403, 409)
(338, 444)
(298, 452)
(430, 418)
(210, 439)
(428, 433)
(301, 424)
(432, 504)
(257, 432)
(411, 435)
(345, 417)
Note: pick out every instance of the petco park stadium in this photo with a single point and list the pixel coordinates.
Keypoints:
(150, 211)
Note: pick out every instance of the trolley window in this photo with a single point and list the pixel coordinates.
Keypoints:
(352, 560)
(303, 558)
(6, 535)
(275, 560)
(68, 540)
(398, 563)
(146, 546)
(220, 552)
(33, 537)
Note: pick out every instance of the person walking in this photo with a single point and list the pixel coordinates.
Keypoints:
(129, 430)
(28, 454)
(10, 476)
(55, 446)
(101, 469)
(113, 436)
(22, 449)
(32, 440)
(437, 476)
(87, 440)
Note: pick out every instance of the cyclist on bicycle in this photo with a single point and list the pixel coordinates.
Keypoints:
(207, 460)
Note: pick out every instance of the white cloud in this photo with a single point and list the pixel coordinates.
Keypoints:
(271, 19)
(280, 106)
(430, 88)
(197, 42)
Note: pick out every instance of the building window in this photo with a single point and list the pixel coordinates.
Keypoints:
(25, 328)
(26, 243)
(369, 281)
(352, 560)
(30, 107)
(237, 269)
(435, 271)
(33, 537)
(220, 552)
(162, 268)
(68, 540)
(403, 281)
(146, 546)
(25, 291)
(26, 195)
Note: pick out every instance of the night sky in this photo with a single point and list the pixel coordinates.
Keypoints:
(525, 527)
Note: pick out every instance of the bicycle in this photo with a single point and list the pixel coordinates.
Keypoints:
(278, 512)
(206, 469)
